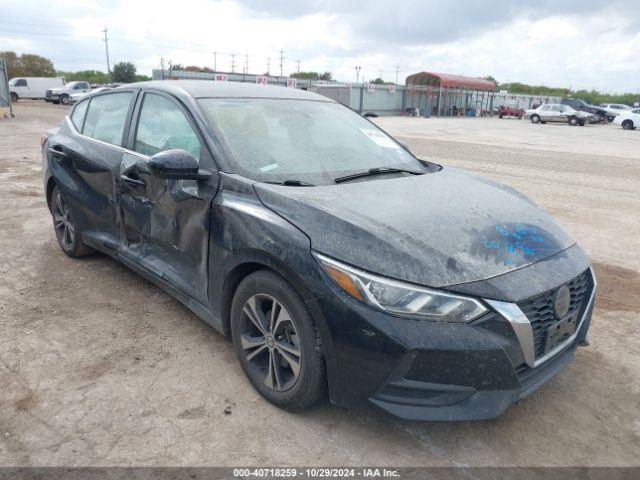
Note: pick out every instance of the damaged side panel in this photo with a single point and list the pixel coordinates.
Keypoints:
(166, 225)
(85, 172)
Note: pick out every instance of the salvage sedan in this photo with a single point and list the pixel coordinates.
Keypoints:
(337, 261)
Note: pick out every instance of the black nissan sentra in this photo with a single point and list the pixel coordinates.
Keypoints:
(338, 262)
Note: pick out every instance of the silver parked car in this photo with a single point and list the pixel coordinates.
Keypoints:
(555, 112)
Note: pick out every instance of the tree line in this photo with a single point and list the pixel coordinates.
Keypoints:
(30, 65)
(590, 96)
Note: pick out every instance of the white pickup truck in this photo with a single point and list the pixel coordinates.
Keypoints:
(63, 94)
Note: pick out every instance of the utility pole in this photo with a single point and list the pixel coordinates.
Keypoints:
(397, 72)
(380, 74)
(268, 64)
(233, 62)
(106, 46)
(357, 74)
(215, 61)
(298, 62)
(246, 63)
(281, 60)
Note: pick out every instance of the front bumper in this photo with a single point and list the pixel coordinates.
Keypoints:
(419, 370)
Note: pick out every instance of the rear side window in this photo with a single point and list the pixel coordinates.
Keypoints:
(163, 126)
(77, 116)
(106, 117)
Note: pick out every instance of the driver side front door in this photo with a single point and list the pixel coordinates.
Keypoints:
(166, 221)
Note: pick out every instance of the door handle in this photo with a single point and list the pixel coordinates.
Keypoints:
(133, 181)
(57, 154)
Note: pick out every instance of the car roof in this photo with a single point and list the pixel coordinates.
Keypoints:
(212, 89)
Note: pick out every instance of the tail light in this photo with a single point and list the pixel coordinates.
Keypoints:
(43, 140)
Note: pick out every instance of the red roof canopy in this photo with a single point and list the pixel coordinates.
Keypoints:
(450, 81)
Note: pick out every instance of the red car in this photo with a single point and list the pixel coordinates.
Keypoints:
(510, 112)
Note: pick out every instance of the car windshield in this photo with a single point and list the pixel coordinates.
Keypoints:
(274, 140)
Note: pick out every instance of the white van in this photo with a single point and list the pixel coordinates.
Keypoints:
(32, 87)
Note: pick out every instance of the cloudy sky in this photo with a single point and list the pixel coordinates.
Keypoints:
(572, 43)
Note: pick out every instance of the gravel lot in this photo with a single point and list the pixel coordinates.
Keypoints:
(99, 367)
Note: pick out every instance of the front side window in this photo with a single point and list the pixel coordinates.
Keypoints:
(21, 82)
(106, 117)
(313, 141)
(77, 117)
(163, 126)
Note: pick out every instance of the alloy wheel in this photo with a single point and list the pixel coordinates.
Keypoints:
(62, 222)
(270, 342)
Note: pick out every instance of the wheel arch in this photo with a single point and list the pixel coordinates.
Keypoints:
(248, 263)
(49, 190)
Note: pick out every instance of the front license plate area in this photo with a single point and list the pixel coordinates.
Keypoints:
(558, 333)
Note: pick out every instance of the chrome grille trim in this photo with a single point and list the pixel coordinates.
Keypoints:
(524, 333)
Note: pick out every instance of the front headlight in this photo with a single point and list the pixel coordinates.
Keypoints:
(401, 298)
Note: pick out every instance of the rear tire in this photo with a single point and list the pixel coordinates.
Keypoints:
(14, 97)
(66, 229)
(535, 118)
(573, 121)
(56, 102)
(628, 125)
(282, 354)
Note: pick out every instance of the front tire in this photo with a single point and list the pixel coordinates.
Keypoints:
(64, 99)
(277, 342)
(65, 227)
(628, 125)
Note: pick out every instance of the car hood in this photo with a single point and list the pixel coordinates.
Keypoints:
(436, 229)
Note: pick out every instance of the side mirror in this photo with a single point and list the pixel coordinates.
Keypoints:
(176, 164)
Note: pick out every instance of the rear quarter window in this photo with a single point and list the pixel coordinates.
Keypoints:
(77, 116)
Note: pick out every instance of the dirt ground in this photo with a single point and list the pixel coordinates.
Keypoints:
(99, 367)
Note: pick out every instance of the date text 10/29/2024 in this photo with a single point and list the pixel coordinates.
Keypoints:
(316, 472)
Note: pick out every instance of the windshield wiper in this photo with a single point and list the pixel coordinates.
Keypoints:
(375, 171)
(293, 183)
